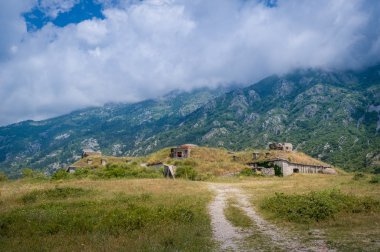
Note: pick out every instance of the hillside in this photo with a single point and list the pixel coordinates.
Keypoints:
(115, 129)
(204, 163)
(333, 116)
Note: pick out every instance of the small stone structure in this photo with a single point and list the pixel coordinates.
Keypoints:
(89, 161)
(103, 162)
(281, 146)
(182, 151)
(71, 169)
(267, 171)
(89, 152)
(329, 171)
(288, 168)
(169, 171)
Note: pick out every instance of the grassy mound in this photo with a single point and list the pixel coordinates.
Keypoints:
(203, 164)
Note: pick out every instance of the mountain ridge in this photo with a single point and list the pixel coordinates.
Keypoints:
(329, 115)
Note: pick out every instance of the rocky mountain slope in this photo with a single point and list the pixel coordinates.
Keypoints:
(334, 116)
(330, 115)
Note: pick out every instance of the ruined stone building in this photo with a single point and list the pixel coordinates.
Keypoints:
(281, 146)
(286, 167)
(281, 159)
(183, 151)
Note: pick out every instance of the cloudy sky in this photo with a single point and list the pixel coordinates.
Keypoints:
(60, 55)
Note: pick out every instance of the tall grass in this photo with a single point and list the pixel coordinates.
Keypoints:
(107, 215)
(317, 206)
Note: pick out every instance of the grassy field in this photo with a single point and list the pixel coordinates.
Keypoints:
(346, 231)
(104, 215)
(170, 215)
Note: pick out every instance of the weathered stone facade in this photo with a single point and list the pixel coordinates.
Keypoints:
(281, 146)
(288, 168)
(182, 151)
(169, 171)
(268, 171)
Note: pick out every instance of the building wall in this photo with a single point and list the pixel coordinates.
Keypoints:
(180, 153)
(288, 168)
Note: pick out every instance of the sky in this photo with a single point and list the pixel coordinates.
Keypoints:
(57, 56)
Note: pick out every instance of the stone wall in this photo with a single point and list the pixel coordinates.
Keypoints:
(268, 171)
(290, 168)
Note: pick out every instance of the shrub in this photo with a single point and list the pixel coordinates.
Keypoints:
(3, 177)
(358, 176)
(30, 173)
(317, 206)
(277, 171)
(376, 170)
(60, 174)
(375, 179)
(248, 172)
(187, 172)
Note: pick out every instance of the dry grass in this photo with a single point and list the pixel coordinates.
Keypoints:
(346, 232)
(106, 197)
(97, 161)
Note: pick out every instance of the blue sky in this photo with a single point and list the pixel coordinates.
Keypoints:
(36, 18)
(60, 55)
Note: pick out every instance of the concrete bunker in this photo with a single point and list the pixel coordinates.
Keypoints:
(183, 151)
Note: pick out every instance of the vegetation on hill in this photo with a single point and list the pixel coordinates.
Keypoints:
(205, 163)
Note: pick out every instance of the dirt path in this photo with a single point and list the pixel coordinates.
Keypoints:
(232, 238)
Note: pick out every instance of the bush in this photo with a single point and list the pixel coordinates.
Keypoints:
(376, 170)
(248, 172)
(60, 174)
(186, 172)
(375, 179)
(3, 177)
(277, 171)
(317, 206)
(29, 173)
(358, 176)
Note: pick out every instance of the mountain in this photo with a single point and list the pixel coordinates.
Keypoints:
(114, 129)
(331, 115)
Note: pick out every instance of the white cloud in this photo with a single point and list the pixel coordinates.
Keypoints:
(145, 49)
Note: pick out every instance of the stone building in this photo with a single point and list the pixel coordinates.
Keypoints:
(183, 151)
(71, 169)
(281, 146)
(169, 171)
(286, 167)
